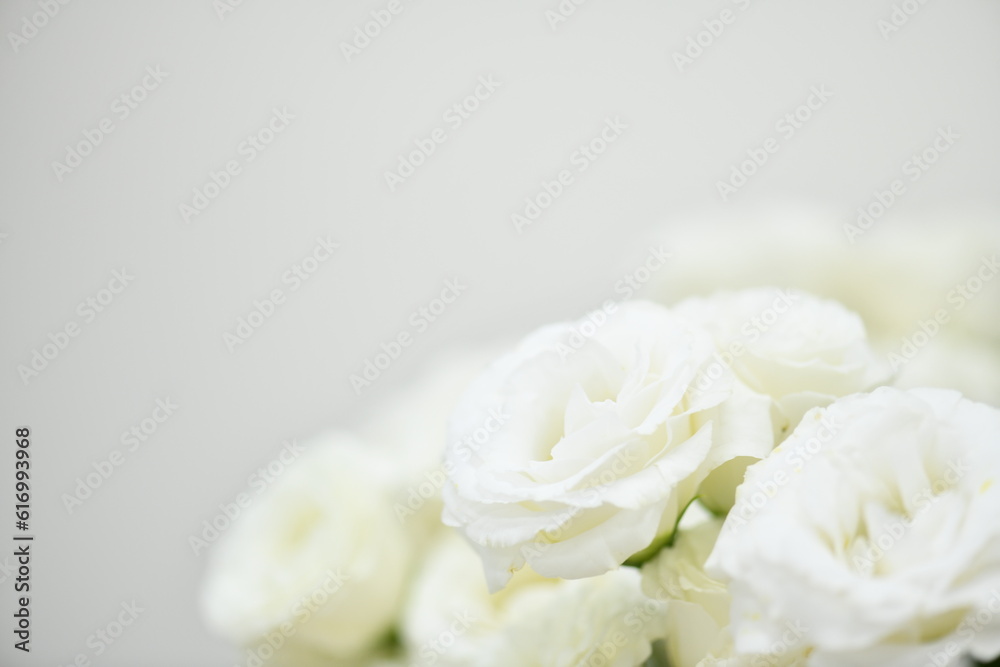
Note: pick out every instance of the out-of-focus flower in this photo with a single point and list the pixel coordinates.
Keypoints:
(411, 427)
(602, 620)
(453, 621)
(451, 615)
(954, 362)
(295, 654)
(799, 350)
(319, 560)
(897, 276)
(696, 625)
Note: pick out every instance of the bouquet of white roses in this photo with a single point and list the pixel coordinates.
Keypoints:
(732, 479)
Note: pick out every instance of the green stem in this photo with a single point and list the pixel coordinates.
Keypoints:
(660, 543)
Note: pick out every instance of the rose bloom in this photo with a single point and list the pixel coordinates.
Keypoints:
(696, 625)
(874, 530)
(295, 654)
(411, 426)
(601, 621)
(319, 559)
(604, 440)
(797, 349)
(452, 620)
(800, 350)
(450, 615)
(899, 276)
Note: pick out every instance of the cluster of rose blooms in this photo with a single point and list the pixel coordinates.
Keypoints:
(734, 479)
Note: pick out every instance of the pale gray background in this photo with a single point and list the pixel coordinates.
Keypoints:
(163, 335)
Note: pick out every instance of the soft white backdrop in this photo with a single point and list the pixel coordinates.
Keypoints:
(323, 175)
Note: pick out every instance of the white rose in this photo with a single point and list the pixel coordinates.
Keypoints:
(412, 425)
(603, 442)
(895, 276)
(874, 530)
(450, 615)
(319, 557)
(696, 627)
(794, 347)
(294, 654)
(452, 620)
(603, 621)
(800, 350)
(955, 362)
